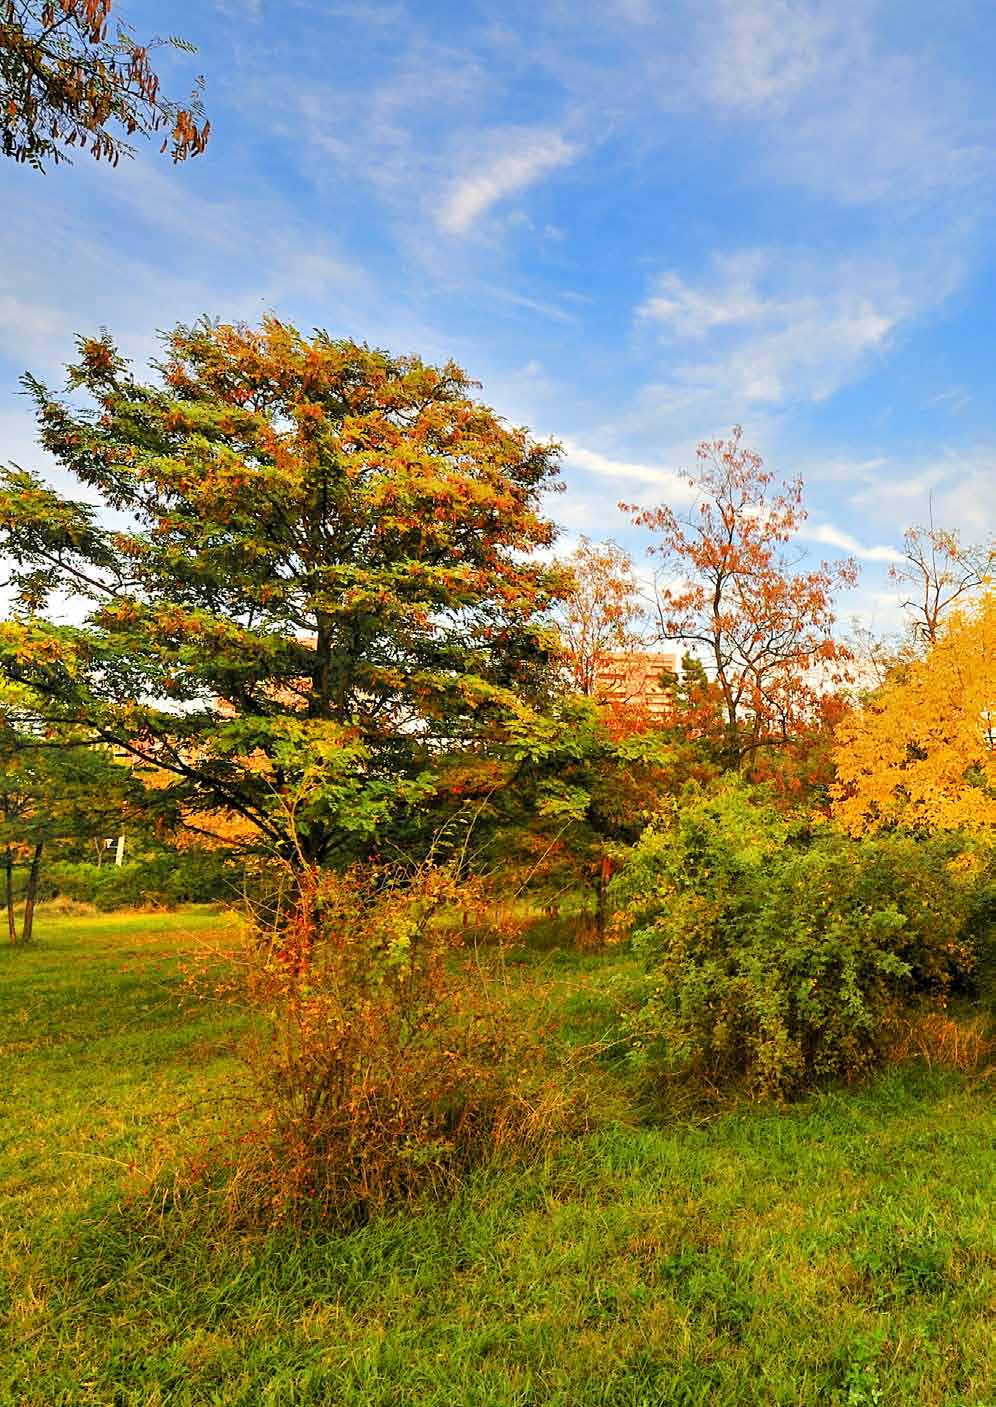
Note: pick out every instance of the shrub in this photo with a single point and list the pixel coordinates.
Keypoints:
(982, 925)
(381, 1062)
(160, 880)
(780, 962)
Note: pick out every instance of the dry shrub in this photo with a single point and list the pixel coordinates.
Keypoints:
(64, 907)
(938, 1038)
(384, 1060)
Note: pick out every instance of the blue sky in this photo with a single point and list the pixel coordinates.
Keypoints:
(636, 223)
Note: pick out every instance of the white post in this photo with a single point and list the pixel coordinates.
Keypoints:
(119, 855)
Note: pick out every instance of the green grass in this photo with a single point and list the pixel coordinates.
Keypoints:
(838, 1252)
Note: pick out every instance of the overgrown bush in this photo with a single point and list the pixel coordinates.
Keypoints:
(778, 959)
(383, 1058)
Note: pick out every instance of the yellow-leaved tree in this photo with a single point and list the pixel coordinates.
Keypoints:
(921, 753)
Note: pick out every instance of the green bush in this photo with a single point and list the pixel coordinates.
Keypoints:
(160, 880)
(982, 928)
(780, 960)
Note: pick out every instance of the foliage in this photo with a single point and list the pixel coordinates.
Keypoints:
(326, 579)
(148, 880)
(601, 614)
(63, 80)
(803, 771)
(558, 797)
(705, 856)
(920, 753)
(383, 1059)
(697, 707)
(778, 962)
(765, 629)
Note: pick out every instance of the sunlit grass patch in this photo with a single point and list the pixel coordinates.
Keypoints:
(840, 1251)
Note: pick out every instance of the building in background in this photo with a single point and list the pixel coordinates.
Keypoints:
(636, 686)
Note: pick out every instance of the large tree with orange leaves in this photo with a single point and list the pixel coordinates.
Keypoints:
(730, 589)
(69, 80)
(921, 752)
(318, 576)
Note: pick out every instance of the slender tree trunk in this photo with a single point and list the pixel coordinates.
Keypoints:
(602, 897)
(30, 892)
(8, 867)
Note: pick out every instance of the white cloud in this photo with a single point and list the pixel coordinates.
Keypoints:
(694, 312)
(956, 489)
(520, 161)
(834, 107)
(532, 305)
(22, 319)
(765, 51)
(830, 536)
(780, 327)
(953, 400)
(625, 472)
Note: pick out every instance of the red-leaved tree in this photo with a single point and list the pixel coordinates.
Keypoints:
(729, 588)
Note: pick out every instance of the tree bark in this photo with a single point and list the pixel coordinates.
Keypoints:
(8, 865)
(30, 892)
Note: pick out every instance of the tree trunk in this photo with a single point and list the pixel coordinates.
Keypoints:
(30, 892)
(8, 865)
(602, 897)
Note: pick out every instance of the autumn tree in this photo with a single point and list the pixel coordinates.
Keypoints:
(939, 571)
(602, 613)
(70, 76)
(730, 589)
(320, 577)
(558, 794)
(919, 754)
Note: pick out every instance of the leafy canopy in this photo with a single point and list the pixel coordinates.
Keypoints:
(63, 80)
(920, 754)
(319, 577)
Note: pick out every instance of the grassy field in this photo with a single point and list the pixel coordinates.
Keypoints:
(838, 1252)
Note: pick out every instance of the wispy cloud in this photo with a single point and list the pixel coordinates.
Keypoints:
(766, 51)
(957, 488)
(532, 305)
(779, 327)
(26, 322)
(516, 160)
(694, 312)
(953, 400)
(829, 536)
(624, 472)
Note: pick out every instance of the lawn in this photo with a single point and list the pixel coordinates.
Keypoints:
(840, 1251)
